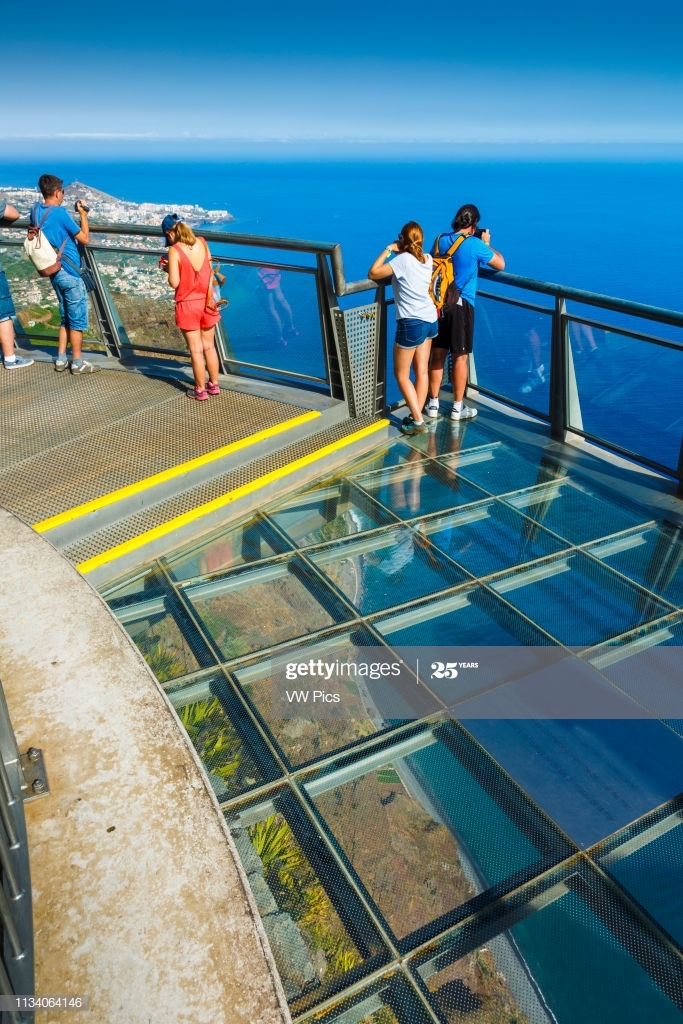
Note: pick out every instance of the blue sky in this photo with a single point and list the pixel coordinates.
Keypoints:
(132, 75)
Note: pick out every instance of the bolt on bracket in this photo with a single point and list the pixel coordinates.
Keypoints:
(35, 783)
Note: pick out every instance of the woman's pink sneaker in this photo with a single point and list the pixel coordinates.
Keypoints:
(213, 389)
(198, 393)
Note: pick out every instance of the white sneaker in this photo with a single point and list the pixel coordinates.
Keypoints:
(466, 413)
(432, 408)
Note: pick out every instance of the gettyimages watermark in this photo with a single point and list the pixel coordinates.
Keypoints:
(403, 683)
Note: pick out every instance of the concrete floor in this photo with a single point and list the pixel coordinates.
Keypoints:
(138, 898)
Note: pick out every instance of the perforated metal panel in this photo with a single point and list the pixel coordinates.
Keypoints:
(184, 501)
(358, 337)
(69, 439)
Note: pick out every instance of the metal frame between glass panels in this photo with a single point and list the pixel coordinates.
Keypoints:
(413, 861)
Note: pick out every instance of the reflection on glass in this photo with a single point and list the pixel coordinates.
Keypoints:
(571, 510)
(328, 512)
(500, 468)
(446, 436)
(577, 600)
(423, 822)
(419, 489)
(473, 616)
(520, 369)
(394, 567)
(613, 378)
(239, 545)
(652, 556)
(488, 537)
(273, 319)
(250, 609)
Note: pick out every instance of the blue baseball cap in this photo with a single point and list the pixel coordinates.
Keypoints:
(169, 222)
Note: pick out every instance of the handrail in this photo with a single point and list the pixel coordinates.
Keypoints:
(342, 287)
(16, 921)
(564, 413)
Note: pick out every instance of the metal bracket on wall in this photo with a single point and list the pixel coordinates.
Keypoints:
(34, 775)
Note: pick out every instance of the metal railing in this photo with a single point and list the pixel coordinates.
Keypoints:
(22, 777)
(624, 400)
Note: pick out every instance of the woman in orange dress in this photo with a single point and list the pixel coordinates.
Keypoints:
(189, 272)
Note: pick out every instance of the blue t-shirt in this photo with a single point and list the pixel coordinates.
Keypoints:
(3, 207)
(467, 258)
(60, 225)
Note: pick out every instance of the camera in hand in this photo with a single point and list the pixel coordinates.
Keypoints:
(79, 205)
(478, 232)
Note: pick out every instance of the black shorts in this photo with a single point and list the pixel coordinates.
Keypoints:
(456, 329)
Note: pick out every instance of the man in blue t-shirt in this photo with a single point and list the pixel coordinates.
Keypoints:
(456, 323)
(8, 214)
(62, 232)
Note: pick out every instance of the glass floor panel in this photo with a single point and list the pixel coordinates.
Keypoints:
(472, 617)
(163, 632)
(646, 860)
(249, 610)
(314, 923)
(403, 880)
(489, 537)
(394, 567)
(302, 734)
(563, 951)
(575, 512)
(499, 468)
(420, 489)
(446, 436)
(251, 541)
(577, 600)
(391, 1000)
(329, 512)
(424, 816)
(590, 776)
(647, 665)
(652, 556)
(210, 716)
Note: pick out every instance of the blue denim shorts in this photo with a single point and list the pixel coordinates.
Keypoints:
(6, 305)
(73, 300)
(410, 333)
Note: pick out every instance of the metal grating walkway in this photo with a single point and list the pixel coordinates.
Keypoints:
(55, 429)
(184, 501)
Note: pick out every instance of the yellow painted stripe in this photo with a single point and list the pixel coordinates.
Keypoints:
(225, 499)
(169, 474)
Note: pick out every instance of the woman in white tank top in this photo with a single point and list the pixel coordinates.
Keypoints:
(416, 317)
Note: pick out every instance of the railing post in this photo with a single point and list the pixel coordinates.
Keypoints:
(15, 894)
(382, 328)
(558, 374)
(102, 306)
(327, 302)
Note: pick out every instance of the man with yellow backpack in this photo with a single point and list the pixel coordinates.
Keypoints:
(468, 247)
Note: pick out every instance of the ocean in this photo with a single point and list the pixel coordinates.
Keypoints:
(607, 226)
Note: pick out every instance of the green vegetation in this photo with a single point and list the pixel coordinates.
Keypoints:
(298, 892)
(163, 663)
(214, 739)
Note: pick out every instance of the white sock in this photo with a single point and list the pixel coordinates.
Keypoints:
(457, 406)
(10, 359)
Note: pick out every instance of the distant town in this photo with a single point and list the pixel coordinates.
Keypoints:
(133, 276)
(110, 210)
